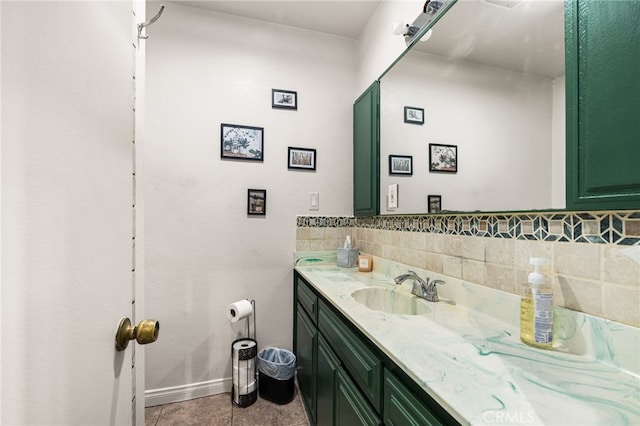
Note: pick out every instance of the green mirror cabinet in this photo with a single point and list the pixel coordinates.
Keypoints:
(602, 49)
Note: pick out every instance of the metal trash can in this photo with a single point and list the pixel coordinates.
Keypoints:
(276, 375)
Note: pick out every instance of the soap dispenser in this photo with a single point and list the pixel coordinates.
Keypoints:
(536, 308)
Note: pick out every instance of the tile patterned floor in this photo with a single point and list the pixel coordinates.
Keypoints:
(217, 410)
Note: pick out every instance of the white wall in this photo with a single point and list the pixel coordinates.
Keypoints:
(202, 250)
(500, 121)
(378, 47)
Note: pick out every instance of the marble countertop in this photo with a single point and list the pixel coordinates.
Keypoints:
(468, 356)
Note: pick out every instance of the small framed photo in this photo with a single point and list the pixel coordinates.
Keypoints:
(301, 158)
(285, 99)
(257, 202)
(443, 158)
(434, 203)
(413, 115)
(241, 142)
(400, 165)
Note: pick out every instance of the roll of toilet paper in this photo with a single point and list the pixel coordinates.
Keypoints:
(239, 310)
(244, 356)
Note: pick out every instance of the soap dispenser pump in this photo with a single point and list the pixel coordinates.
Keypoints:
(536, 308)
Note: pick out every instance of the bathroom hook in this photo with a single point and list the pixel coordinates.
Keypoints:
(149, 22)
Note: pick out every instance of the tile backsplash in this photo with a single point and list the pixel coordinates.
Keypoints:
(594, 256)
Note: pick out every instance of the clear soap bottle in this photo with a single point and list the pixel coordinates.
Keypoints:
(536, 309)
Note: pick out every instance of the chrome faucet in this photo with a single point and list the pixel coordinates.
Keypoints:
(421, 288)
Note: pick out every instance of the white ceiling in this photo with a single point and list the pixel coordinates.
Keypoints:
(528, 35)
(342, 18)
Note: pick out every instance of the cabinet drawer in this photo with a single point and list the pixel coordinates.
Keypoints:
(308, 299)
(359, 360)
(402, 408)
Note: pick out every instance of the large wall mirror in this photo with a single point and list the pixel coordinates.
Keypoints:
(479, 107)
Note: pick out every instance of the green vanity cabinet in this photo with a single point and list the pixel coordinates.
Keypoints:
(401, 407)
(603, 104)
(344, 378)
(366, 152)
(328, 365)
(361, 362)
(305, 350)
(305, 344)
(351, 409)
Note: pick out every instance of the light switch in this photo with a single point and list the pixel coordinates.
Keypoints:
(314, 201)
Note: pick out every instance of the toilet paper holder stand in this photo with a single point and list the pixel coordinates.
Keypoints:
(244, 355)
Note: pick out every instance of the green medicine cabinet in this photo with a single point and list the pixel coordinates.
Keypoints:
(602, 53)
(366, 152)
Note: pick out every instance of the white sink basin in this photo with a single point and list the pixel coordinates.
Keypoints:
(391, 302)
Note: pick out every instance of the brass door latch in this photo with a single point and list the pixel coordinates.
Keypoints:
(147, 331)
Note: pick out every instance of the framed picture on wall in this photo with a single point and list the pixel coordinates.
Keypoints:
(257, 202)
(434, 203)
(284, 99)
(241, 142)
(413, 115)
(443, 158)
(301, 158)
(401, 165)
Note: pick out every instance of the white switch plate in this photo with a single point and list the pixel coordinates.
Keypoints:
(314, 201)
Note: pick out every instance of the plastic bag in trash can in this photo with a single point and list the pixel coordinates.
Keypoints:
(277, 363)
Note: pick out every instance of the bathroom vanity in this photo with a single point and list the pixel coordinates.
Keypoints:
(459, 360)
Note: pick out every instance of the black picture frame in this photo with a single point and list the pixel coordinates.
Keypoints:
(256, 202)
(434, 203)
(443, 158)
(239, 142)
(301, 158)
(401, 165)
(284, 99)
(414, 115)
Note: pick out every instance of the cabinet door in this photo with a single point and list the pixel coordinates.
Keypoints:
(327, 367)
(401, 408)
(366, 152)
(603, 104)
(306, 347)
(362, 364)
(351, 408)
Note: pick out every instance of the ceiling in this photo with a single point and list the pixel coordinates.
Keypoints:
(342, 18)
(524, 35)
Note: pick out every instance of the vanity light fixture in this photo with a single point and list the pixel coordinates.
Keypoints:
(430, 9)
(400, 28)
(427, 35)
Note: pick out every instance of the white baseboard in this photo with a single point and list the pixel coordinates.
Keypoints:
(185, 392)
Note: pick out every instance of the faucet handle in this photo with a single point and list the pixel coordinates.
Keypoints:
(431, 291)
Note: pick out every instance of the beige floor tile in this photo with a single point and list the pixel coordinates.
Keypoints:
(265, 413)
(213, 410)
(218, 410)
(152, 414)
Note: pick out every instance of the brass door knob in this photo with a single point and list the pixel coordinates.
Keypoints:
(147, 331)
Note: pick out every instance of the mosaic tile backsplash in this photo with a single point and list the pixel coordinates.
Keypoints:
(621, 228)
(594, 256)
